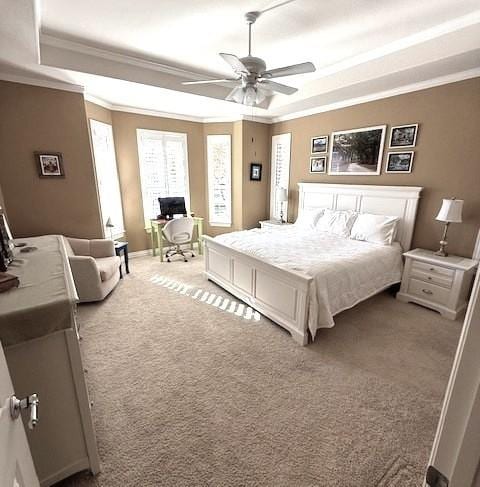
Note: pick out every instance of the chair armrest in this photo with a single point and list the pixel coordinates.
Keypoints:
(84, 268)
(101, 247)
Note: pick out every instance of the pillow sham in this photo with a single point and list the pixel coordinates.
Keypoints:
(377, 229)
(336, 222)
(308, 219)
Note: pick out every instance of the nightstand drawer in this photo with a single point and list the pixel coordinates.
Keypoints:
(430, 292)
(433, 269)
(433, 277)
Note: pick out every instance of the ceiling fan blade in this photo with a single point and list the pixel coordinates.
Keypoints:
(278, 87)
(301, 68)
(206, 81)
(235, 63)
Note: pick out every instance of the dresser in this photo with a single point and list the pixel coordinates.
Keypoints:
(439, 283)
(38, 331)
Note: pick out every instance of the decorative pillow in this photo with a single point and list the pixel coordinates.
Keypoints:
(378, 229)
(336, 222)
(308, 219)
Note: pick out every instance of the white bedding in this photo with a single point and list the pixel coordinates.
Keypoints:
(345, 271)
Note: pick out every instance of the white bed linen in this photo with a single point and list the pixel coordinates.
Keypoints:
(345, 271)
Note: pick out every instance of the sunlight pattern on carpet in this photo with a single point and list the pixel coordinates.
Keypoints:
(223, 304)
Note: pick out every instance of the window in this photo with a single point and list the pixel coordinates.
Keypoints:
(107, 178)
(219, 156)
(280, 176)
(163, 168)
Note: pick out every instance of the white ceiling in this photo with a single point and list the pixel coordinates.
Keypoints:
(135, 54)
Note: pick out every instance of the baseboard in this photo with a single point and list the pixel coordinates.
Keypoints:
(140, 253)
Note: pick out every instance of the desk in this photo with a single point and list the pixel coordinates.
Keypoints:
(158, 239)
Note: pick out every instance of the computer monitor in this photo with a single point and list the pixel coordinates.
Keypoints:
(174, 205)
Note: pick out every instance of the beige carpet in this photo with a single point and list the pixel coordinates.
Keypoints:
(188, 395)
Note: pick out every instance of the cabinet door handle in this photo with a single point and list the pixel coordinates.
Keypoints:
(427, 291)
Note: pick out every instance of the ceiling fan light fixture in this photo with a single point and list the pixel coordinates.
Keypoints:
(250, 97)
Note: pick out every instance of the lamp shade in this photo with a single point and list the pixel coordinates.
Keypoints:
(282, 194)
(451, 211)
(109, 223)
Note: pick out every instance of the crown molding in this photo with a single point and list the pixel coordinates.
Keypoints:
(188, 118)
(44, 83)
(402, 90)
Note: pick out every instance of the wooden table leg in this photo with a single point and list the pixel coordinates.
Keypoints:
(160, 243)
(152, 236)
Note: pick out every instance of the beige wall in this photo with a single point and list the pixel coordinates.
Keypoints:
(124, 130)
(446, 163)
(256, 194)
(35, 119)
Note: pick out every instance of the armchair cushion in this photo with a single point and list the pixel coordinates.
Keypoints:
(97, 247)
(107, 266)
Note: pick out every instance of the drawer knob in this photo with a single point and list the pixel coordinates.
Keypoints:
(427, 291)
(432, 268)
(429, 278)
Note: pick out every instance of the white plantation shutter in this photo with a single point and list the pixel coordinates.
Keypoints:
(219, 155)
(163, 168)
(107, 177)
(280, 176)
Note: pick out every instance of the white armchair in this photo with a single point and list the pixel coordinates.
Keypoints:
(95, 267)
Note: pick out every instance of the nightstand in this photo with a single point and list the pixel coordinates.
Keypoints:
(272, 223)
(439, 283)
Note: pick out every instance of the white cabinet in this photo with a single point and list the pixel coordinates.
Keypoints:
(439, 283)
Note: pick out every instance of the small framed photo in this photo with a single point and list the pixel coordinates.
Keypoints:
(318, 164)
(399, 162)
(50, 164)
(403, 136)
(255, 171)
(319, 144)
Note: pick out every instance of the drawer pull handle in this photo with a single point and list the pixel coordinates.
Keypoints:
(427, 291)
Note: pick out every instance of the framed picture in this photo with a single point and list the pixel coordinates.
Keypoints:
(255, 171)
(403, 136)
(399, 162)
(357, 152)
(50, 164)
(319, 144)
(6, 242)
(318, 164)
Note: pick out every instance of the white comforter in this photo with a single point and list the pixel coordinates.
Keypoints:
(345, 271)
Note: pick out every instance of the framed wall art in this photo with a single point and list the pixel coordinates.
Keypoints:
(50, 164)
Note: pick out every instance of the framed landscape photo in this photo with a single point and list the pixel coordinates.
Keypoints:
(50, 164)
(319, 144)
(318, 164)
(399, 162)
(255, 171)
(403, 136)
(357, 152)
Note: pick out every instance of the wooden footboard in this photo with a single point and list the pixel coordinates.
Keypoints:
(279, 294)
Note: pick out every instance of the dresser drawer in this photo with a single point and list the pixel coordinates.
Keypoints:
(430, 292)
(433, 277)
(433, 269)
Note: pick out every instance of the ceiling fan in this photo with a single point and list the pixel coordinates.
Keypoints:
(253, 80)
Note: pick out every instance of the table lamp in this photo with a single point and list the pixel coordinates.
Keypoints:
(282, 196)
(110, 225)
(450, 212)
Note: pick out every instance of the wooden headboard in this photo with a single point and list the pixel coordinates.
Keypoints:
(401, 201)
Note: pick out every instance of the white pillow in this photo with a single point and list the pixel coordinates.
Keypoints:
(308, 218)
(336, 222)
(378, 229)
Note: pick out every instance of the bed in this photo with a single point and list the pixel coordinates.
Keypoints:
(300, 279)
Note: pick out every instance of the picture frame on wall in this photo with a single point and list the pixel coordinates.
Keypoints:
(403, 136)
(6, 241)
(319, 144)
(255, 171)
(318, 165)
(50, 164)
(357, 152)
(399, 162)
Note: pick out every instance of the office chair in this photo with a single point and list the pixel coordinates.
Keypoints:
(179, 231)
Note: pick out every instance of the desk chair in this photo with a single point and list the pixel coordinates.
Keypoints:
(179, 231)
